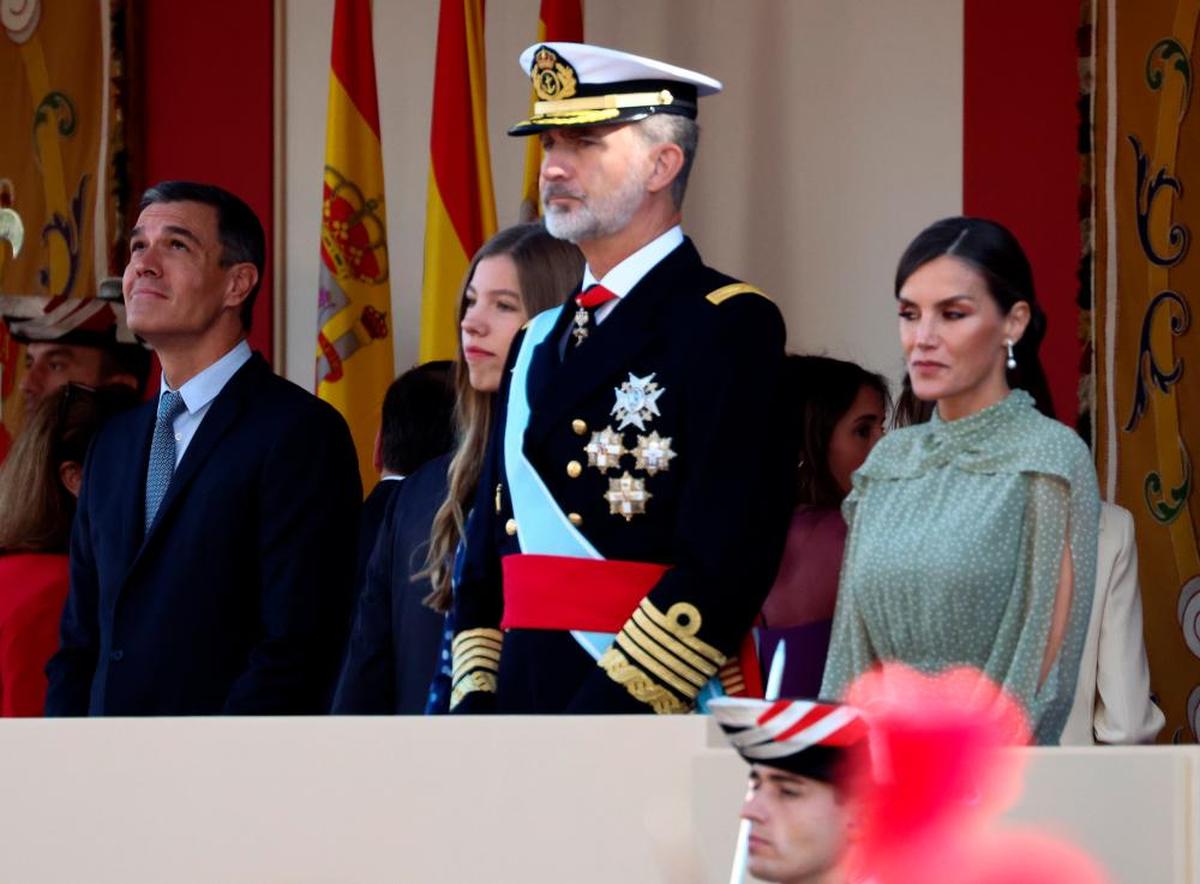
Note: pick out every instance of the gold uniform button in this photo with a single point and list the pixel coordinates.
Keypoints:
(580, 427)
(575, 519)
(574, 469)
(510, 527)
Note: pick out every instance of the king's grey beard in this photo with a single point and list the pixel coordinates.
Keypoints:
(595, 216)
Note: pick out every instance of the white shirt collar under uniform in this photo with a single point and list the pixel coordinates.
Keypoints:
(621, 279)
(199, 392)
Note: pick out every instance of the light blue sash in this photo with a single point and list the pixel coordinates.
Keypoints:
(543, 528)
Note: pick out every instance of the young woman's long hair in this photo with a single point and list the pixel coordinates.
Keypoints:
(993, 251)
(35, 507)
(548, 270)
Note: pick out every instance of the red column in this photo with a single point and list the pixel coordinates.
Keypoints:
(1020, 155)
(207, 81)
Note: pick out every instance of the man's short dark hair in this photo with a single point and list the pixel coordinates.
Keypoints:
(238, 228)
(418, 417)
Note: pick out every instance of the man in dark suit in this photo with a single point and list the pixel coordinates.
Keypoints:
(213, 550)
(394, 643)
(415, 427)
(634, 501)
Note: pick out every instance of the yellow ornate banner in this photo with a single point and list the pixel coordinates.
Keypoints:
(63, 185)
(1147, 283)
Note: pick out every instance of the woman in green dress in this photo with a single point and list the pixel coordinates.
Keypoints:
(972, 538)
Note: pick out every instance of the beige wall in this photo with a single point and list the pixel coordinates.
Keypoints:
(526, 800)
(838, 137)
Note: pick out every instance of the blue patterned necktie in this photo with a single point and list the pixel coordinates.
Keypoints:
(162, 453)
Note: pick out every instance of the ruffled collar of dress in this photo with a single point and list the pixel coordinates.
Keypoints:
(983, 441)
(981, 425)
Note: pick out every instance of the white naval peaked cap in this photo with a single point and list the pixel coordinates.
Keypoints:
(577, 84)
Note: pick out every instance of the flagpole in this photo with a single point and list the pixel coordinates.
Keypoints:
(741, 854)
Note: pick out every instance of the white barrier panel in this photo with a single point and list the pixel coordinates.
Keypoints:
(365, 800)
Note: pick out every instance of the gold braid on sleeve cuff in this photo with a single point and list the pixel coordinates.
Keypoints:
(659, 660)
(476, 662)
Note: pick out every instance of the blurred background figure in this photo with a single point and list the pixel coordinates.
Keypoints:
(396, 644)
(972, 537)
(79, 340)
(415, 427)
(837, 411)
(39, 483)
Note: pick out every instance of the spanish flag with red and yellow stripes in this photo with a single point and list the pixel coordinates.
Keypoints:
(558, 20)
(460, 213)
(354, 340)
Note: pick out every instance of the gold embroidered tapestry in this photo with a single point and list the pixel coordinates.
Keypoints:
(63, 159)
(1147, 346)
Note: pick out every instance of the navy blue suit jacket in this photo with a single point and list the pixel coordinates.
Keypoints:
(237, 598)
(395, 640)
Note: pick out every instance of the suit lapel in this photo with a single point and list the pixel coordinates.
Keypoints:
(610, 346)
(133, 506)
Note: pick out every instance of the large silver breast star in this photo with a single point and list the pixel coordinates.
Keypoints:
(637, 401)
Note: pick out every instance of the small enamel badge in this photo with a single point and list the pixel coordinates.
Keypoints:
(627, 496)
(637, 401)
(605, 449)
(653, 453)
(580, 331)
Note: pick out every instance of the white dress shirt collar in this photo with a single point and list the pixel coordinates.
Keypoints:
(202, 389)
(622, 278)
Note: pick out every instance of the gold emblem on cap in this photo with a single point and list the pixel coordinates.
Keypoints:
(553, 78)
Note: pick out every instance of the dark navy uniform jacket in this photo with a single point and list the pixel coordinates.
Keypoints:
(717, 514)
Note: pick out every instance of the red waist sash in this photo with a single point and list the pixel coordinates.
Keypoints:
(565, 592)
(595, 595)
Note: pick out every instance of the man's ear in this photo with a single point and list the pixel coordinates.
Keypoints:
(70, 473)
(377, 454)
(1017, 321)
(240, 282)
(668, 162)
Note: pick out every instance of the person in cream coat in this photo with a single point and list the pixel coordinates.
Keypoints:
(1112, 699)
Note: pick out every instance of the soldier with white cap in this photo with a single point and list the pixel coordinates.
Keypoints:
(631, 510)
(799, 807)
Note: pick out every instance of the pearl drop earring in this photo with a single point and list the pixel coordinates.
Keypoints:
(1012, 360)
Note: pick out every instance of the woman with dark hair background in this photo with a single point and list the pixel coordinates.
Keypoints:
(39, 483)
(972, 538)
(836, 412)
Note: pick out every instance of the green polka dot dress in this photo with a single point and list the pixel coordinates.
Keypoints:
(956, 533)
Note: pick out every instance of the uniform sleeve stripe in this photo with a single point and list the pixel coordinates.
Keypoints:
(490, 633)
(481, 659)
(700, 647)
(653, 667)
(473, 643)
(672, 644)
(666, 659)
